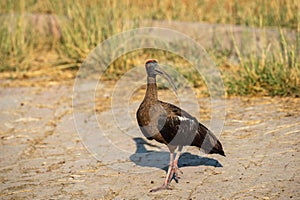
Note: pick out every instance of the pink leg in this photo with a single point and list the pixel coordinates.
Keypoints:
(172, 169)
(175, 165)
(170, 174)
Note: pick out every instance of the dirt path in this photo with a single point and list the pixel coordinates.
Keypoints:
(42, 156)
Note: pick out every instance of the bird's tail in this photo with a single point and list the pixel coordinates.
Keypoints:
(218, 149)
(208, 142)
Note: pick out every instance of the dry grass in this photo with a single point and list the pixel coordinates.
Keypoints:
(47, 36)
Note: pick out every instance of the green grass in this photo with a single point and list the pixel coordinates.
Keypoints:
(37, 35)
(272, 74)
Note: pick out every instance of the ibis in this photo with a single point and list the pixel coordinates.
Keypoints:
(170, 125)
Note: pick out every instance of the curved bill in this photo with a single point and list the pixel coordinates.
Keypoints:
(166, 76)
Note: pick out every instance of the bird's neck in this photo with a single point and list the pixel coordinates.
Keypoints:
(151, 92)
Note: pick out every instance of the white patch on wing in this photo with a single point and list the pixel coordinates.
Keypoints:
(183, 118)
(192, 125)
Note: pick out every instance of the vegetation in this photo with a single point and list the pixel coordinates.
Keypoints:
(58, 35)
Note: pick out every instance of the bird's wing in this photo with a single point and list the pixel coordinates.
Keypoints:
(178, 127)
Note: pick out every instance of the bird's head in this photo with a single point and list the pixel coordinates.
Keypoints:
(153, 69)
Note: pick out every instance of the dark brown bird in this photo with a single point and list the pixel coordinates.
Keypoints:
(170, 125)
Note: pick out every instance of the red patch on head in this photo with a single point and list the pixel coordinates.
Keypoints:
(151, 61)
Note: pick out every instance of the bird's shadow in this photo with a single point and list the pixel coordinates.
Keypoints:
(160, 159)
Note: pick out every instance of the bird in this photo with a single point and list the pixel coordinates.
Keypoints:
(171, 125)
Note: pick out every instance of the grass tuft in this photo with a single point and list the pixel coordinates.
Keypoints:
(58, 35)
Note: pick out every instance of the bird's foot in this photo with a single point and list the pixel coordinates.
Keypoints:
(163, 187)
(175, 170)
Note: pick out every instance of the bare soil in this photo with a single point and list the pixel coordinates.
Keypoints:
(43, 157)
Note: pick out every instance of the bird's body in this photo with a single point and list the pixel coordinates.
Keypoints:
(170, 125)
(175, 127)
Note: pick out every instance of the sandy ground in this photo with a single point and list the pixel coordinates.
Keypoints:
(43, 156)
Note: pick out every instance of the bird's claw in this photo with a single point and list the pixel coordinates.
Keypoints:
(176, 172)
(163, 187)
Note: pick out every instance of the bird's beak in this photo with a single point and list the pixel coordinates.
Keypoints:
(165, 76)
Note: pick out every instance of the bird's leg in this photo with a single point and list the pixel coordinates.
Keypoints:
(169, 176)
(170, 170)
(175, 164)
